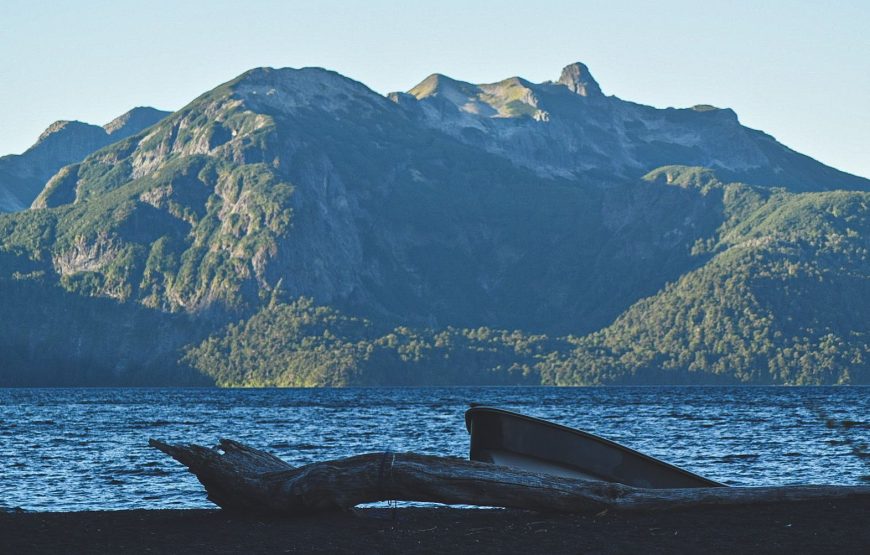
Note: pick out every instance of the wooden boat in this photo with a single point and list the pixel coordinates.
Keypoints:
(511, 439)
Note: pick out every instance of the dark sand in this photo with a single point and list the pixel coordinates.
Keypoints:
(816, 527)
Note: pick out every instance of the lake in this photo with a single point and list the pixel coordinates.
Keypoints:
(86, 449)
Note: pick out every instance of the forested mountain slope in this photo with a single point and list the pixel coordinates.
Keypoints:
(292, 227)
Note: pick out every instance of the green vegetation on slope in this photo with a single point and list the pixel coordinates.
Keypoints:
(782, 301)
(52, 337)
(785, 302)
(302, 345)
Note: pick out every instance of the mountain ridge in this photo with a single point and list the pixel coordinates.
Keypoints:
(294, 227)
(64, 142)
(601, 134)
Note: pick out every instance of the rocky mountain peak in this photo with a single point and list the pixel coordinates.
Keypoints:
(65, 127)
(53, 128)
(438, 84)
(578, 79)
(133, 121)
(22, 176)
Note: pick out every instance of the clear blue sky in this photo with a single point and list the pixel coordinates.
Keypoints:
(799, 70)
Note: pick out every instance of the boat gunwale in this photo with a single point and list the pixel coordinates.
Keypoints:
(488, 409)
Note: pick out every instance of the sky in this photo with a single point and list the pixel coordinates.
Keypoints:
(798, 69)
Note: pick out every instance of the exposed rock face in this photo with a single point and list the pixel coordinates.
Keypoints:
(23, 176)
(578, 79)
(568, 128)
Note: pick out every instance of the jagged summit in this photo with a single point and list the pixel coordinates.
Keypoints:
(579, 80)
(513, 98)
(576, 77)
(569, 128)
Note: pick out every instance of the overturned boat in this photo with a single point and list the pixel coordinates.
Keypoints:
(511, 439)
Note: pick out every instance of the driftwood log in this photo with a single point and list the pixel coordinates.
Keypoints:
(238, 477)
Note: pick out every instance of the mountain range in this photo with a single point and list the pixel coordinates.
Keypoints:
(22, 176)
(295, 228)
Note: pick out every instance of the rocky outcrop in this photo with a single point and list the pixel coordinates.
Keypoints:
(578, 80)
(569, 129)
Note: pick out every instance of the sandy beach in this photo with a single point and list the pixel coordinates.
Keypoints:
(814, 527)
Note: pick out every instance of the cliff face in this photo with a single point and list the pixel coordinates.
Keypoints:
(23, 176)
(550, 209)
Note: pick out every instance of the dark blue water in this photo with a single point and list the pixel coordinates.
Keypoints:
(78, 449)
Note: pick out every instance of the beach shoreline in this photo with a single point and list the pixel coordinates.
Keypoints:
(807, 527)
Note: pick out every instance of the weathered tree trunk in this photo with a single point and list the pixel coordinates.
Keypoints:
(238, 477)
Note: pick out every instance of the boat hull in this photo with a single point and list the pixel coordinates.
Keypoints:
(511, 439)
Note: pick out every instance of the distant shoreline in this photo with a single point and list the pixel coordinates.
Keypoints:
(471, 386)
(811, 527)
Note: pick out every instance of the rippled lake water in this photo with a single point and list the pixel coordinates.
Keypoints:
(82, 449)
